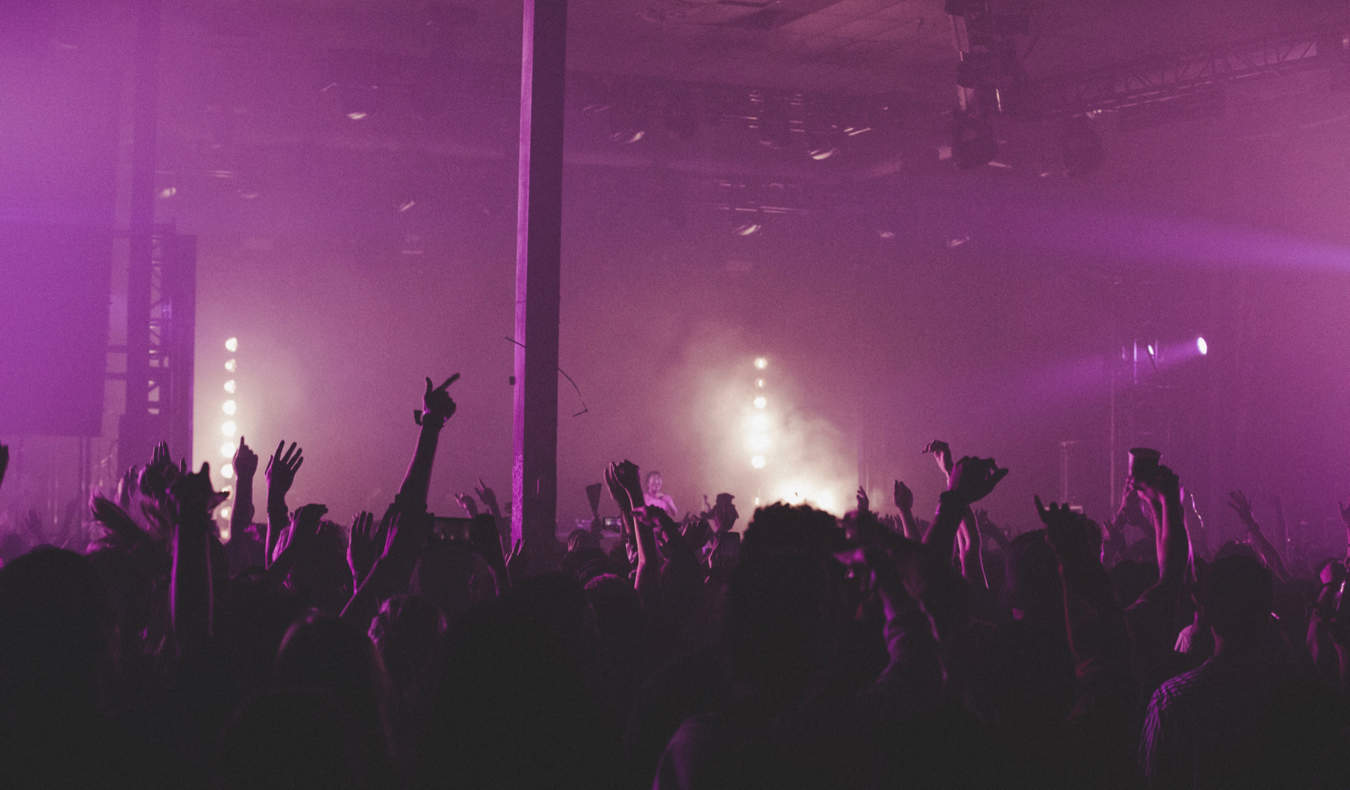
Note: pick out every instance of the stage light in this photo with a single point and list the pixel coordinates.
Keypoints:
(747, 228)
(225, 512)
(759, 443)
(759, 384)
(358, 115)
(761, 363)
(232, 345)
(231, 365)
(1149, 349)
(229, 407)
(1201, 346)
(758, 462)
(228, 429)
(761, 402)
(227, 450)
(227, 471)
(759, 422)
(231, 386)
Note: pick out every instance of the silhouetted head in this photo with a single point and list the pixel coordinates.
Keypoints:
(1236, 596)
(53, 621)
(324, 653)
(409, 633)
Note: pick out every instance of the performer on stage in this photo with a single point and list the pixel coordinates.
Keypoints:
(658, 498)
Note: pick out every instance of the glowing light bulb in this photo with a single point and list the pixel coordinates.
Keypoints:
(759, 384)
(761, 363)
(231, 386)
(761, 402)
(225, 512)
(228, 429)
(232, 345)
(231, 365)
(229, 407)
(759, 422)
(758, 462)
(227, 450)
(1201, 346)
(227, 471)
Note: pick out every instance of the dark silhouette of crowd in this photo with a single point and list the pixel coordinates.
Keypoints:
(800, 651)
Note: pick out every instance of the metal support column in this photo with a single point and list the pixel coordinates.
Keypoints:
(135, 435)
(534, 475)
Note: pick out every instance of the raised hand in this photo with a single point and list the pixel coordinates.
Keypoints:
(305, 525)
(942, 453)
(1076, 539)
(469, 504)
(904, 498)
(488, 498)
(1160, 486)
(972, 479)
(364, 547)
(628, 476)
(437, 406)
(863, 501)
(1241, 505)
(159, 457)
(281, 469)
(616, 488)
(159, 474)
(245, 461)
(192, 498)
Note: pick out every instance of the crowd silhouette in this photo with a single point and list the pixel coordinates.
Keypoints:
(803, 650)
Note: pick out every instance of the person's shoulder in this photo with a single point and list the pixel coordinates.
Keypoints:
(1180, 687)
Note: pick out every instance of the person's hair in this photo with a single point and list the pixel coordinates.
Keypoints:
(1237, 593)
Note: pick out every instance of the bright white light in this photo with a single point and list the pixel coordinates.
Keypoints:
(761, 363)
(759, 383)
(357, 115)
(1201, 346)
(231, 386)
(761, 402)
(229, 407)
(228, 429)
(225, 512)
(227, 450)
(1150, 349)
(227, 471)
(759, 443)
(231, 365)
(759, 422)
(758, 462)
(232, 345)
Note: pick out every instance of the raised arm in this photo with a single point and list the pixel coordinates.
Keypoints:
(437, 408)
(904, 500)
(245, 468)
(1269, 555)
(972, 479)
(190, 603)
(281, 469)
